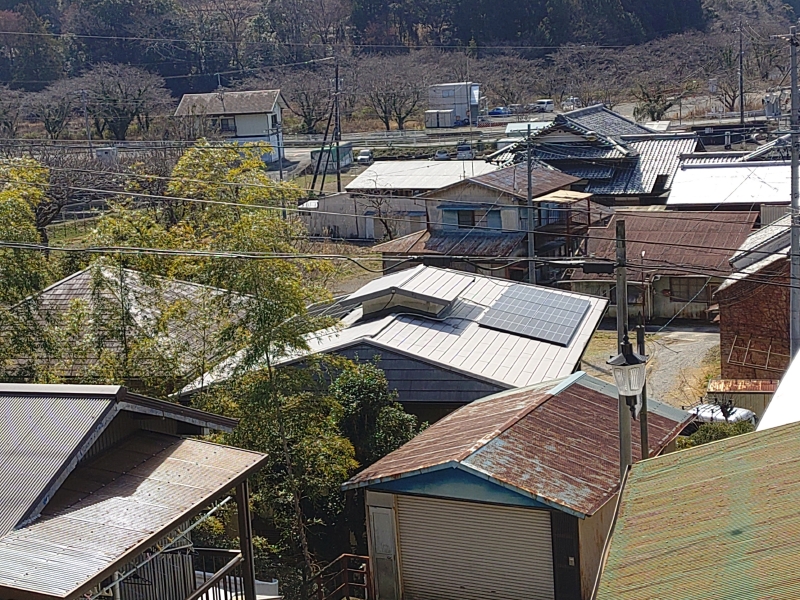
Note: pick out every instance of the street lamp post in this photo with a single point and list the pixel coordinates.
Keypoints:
(629, 370)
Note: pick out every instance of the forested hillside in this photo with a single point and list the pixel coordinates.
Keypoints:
(44, 40)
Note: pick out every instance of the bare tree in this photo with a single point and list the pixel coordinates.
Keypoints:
(13, 104)
(54, 106)
(308, 93)
(119, 95)
(394, 87)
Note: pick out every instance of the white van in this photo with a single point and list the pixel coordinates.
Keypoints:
(545, 105)
(464, 152)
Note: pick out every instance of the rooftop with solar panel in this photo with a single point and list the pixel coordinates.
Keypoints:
(448, 337)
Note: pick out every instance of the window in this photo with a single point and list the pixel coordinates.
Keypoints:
(227, 124)
(273, 121)
(684, 289)
(466, 218)
(635, 295)
(448, 93)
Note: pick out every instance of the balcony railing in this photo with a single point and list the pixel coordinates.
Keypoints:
(346, 577)
(218, 575)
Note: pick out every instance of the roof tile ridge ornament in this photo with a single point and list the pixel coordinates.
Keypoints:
(508, 424)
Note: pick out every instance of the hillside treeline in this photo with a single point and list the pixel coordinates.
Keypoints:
(190, 42)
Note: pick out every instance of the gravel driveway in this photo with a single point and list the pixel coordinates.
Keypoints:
(680, 362)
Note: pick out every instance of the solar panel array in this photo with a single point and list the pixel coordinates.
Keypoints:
(537, 313)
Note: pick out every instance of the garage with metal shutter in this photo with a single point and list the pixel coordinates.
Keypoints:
(453, 550)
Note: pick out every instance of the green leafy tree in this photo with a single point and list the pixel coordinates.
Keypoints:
(712, 432)
(372, 419)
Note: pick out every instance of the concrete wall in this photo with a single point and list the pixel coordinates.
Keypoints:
(360, 218)
(657, 302)
(252, 125)
(592, 533)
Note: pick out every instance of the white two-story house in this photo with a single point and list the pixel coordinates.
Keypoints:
(253, 116)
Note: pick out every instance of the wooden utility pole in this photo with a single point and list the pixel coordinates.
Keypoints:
(625, 458)
(531, 224)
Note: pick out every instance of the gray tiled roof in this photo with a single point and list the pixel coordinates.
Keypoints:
(606, 122)
(657, 155)
(228, 103)
(147, 298)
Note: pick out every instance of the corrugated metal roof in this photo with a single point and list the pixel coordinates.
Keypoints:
(557, 442)
(758, 386)
(721, 184)
(716, 521)
(228, 103)
(456, 341)
(114, 507)
(753, 268)
(46, 427)
(417, 175)
(604, 121)
(477, 243)
(513, 180)
(761, 239)
(38, 436)
(666, 239)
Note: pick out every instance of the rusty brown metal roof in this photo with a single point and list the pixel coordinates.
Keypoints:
(752, 386)
(477, 243)
(114, 507)
(556, 442)
(46, 428)
(675, 243)
(513, 180)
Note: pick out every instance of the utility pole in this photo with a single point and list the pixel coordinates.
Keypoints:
(337, 131)
(531, 225)
(644, 437)
(86, 120)
(741, 81)
(625, 458)
(794, 292)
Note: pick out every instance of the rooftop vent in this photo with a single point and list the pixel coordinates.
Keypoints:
(421, 290)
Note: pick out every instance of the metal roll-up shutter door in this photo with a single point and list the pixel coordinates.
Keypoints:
(467, 551)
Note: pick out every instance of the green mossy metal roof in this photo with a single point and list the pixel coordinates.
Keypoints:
(720, 521)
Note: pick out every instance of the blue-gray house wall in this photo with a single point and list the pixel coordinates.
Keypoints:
(428, 391)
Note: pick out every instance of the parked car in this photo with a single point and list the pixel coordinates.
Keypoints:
(533, 108)
(571, 103)
(465, 152)
(441, 155)
(365, 157)
(546, 105)
(499, 111)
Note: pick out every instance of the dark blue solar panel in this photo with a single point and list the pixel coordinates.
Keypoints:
(537, 313)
